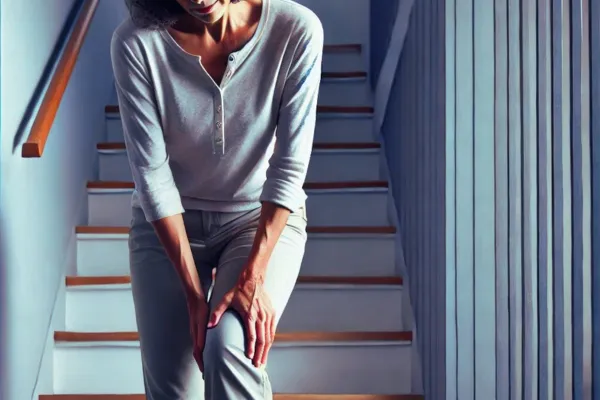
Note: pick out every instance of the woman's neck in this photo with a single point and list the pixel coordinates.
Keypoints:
(234, 18)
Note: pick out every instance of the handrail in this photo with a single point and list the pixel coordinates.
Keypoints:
(58, 80)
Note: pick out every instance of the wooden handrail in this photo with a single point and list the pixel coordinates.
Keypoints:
(34, 146)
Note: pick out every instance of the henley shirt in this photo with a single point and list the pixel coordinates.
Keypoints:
(194, 144)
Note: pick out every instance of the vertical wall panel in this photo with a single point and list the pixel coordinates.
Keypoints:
(581, 210)
(501, 201)
(484, 200)
(594, 17)
(545, 241)
(451, 329)
(464, 199)
(561, 120)
(515, 200)
(530, 198)
(494, 150)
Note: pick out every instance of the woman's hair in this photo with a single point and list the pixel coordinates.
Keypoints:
(154, 14)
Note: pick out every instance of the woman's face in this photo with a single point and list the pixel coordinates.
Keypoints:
(207, 11)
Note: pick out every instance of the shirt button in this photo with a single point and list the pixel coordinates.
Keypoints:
(218, 108)
(219, 124)
(219, 140)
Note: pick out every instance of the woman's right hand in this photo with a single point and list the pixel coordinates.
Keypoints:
(199, 312)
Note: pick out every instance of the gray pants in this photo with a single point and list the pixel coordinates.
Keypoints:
(222, 241)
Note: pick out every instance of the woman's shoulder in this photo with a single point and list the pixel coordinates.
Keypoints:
(131, 34)
(301, 19)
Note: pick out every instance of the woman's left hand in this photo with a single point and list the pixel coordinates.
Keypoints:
(252, 303)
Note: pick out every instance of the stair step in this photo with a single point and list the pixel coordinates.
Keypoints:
(317, 303)
(307, 338)
(342, 48)
(72, 281)
(281, 396)
(333, 251)
(343, 75)
(314, 229)
(330, 127)
(316, 146)
(307, 186)
(299, 362)
(330, 162)
(114, 109)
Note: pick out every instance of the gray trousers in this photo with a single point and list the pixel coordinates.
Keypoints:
(222, 241)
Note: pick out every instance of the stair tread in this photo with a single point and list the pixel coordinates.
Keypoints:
(314, 229)
(307, 185)
(348, 74)
(404, 336)
(281, 396)
(325, 280)
(114, 109)
(316, 146)
(337, 48)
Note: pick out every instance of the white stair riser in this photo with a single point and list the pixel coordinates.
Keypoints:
(343, 129)
(326, 255)
(352, 368)
(339, 308)
(325, 208)
(325, 166)
(352, 92)
(343, 62)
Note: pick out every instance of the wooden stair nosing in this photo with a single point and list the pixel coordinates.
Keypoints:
(114, 109)
(78, 281)
(341, 75)
(342, 48)
(123, 230)
(404, 336)
(316, 146)
(307, 185)
(277, 396)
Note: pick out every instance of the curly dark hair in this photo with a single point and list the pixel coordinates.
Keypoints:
(154, 14)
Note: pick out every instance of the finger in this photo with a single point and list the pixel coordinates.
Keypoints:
(199, 348)
(269, 333)
(250, 336)
(260, 342)
(216, 315)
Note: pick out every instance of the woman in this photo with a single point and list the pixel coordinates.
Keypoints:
(202, 87)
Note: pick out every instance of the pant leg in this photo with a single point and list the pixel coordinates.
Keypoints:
(170, 371)
(229, 374)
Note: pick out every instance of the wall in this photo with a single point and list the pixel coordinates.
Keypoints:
(383, 17)
(413, 134)
(492, 139)
(43, 199)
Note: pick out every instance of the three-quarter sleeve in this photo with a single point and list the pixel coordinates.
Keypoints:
(296, 123)
(144, 139)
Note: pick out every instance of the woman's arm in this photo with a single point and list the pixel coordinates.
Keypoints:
(149, 161)
(283, 192)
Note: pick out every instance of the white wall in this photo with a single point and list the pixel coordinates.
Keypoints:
(41, 200)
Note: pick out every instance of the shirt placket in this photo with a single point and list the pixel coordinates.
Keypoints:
(219, 137)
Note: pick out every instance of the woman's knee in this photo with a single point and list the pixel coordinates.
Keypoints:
(225, 342)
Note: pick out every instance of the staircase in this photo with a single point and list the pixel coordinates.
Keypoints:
(342, 336)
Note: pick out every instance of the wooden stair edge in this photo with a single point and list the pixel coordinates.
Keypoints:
(277, 396)
(307, 185)
(114, 109)
(74, 281)
(357, 230)
(403, 336)
(337, 48)
(341, 74)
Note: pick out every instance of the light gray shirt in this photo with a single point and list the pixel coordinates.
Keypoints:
(193, 144)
